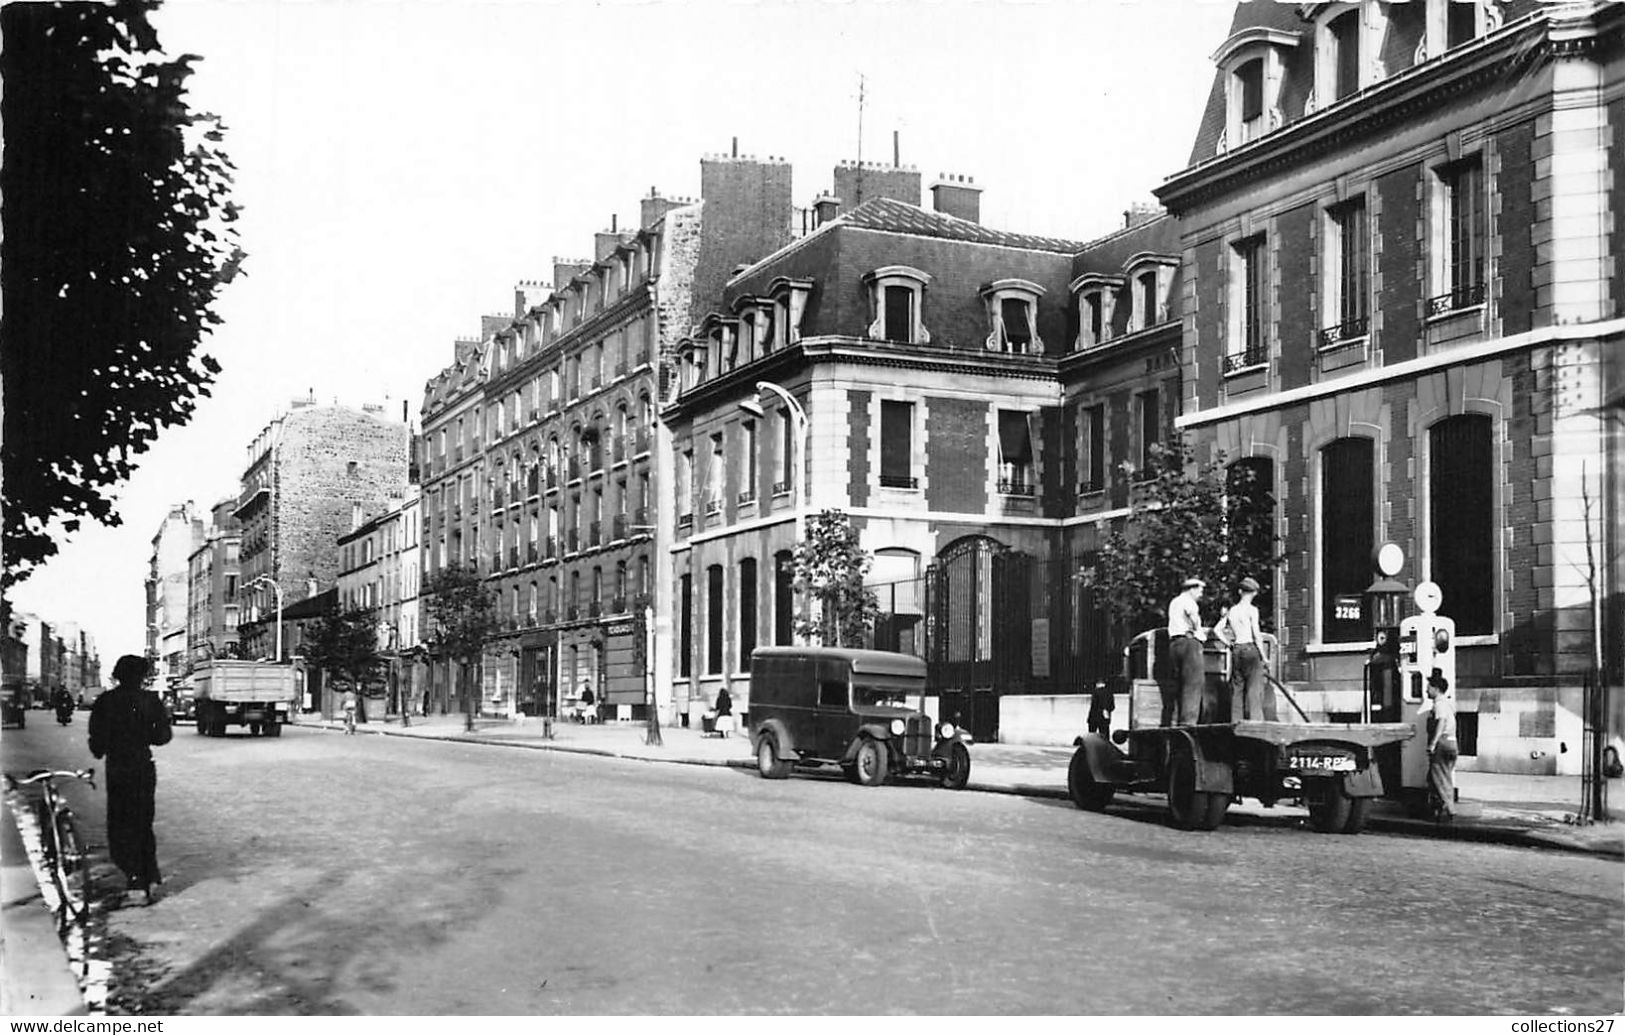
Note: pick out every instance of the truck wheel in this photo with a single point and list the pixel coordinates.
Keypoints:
(1329, 805)
(253, 729)
(957, 773)
(768, 762)
(273, 729)
(869, 765)
(1087, 793)
(1189, 808)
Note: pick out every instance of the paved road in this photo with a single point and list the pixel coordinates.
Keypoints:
(323, 874)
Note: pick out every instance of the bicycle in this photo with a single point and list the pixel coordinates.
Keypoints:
(63, 851)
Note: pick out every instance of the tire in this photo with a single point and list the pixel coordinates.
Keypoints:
(273, 729)
(1189, 808)
(957, 773)
(72, 871)
(1329, 805)
(768, 762)
(253, 729)
(869, 766)
(1087, 793)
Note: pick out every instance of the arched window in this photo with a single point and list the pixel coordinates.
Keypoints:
(1461, 520)
(747, 611)
(784, 614)
(1347, 531)
(713, 619)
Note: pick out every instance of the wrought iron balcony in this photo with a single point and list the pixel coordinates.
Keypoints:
(571, 541)
(713, 506)
(1464, 297)
(685, 522)
(618, 526)
(1345, 335)
(595, 533)
(898, 481)
(1254, 357)
(640, 441)
(552, 546)
(498, 500)
(531, 553)
(594, 609)
(781, 488)
(748, 496)
(617, 605)
(1015, 487)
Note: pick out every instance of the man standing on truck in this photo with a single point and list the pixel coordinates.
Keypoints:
(126, 723)
(1239, 628)
(1185, 636)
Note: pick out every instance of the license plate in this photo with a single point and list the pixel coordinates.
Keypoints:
(1321, 763)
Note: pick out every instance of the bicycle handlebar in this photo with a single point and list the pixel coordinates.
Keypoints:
(38, 775)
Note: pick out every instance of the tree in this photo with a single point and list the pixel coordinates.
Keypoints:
(462, 616)
(345, 644)
(118, 233)
(829, 568)
(1185, 519)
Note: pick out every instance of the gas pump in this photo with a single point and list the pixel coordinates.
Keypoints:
(1387, 596)
(1427, 641)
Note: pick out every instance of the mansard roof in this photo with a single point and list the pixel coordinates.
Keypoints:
(902, 218)
(1110, 255)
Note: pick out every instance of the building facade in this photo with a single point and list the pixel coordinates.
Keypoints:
(1404, 300)
(213, 603)
(169, 584)
(380, 575)
(306, 472)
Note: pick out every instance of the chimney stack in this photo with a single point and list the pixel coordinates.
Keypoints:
(1140, 212)
(957, 196)
(826, 207)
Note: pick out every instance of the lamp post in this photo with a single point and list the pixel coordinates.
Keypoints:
(798, 417)
(269, 581)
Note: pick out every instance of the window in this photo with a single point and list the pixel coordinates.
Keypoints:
(1015, 454)
(1344, 31)
(1012, 309)
(685, 484)
(1147, 300)
(1348, 287)
(1461, 520)
(1149, 406)
(747, 460)
(1092, 421)
(713, 477)
(1464, 228)
(747, 611)
(1461, 22)
(895, 579)
(895, 297)
(896, 444)
(1095, 309)
(1248, 344)
(685, 655)
(787, 452)
(1250, 87)
(784, 576)
(713, 619)
(1347, 522)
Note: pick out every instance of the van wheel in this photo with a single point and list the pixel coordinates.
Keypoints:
(869, 765)
(1330, 807)
(1189, 808)
(957, 773)
(1087, 793)
(768, 762)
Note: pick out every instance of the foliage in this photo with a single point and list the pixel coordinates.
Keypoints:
(1186, 519)
(830, 568)
(118, 233)
(461, 617)
(345, 644)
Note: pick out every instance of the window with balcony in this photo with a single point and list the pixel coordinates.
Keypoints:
(787, 453)
(1016, 468)
(714, 476)
(747, 461)
(1347, 533)
(896, 298)
(897, 444)
(1459, 263)
(1347, 287)
(1249, 318)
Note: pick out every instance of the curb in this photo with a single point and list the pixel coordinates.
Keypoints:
(1480, 833)
(36, 977)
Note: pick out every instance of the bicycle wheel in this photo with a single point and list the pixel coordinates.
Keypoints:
(71, 871)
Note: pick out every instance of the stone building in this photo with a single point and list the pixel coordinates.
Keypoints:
(936, 370)
(213, 603)
(380, 573)
(306, 472)
(169, 583)
(1403, 280)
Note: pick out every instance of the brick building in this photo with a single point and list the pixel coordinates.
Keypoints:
(1404, 299)
(213, 603)
(942, 369)
(306, 473)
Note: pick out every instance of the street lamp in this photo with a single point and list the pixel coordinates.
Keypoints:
(269, 581)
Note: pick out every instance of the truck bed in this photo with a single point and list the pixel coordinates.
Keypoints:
(1282, 734)
(243, 681)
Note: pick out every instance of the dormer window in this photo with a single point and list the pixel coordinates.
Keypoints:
(1253, 62)
(1348, 38)
(1150, 282)
(789, 305)
(1012, 309)
(896, 298)
(1453, 23)
(1097, 302)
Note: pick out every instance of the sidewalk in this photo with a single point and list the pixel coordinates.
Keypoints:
(36, 979)
(1534, 811)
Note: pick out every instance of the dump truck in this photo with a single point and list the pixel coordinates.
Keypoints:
(256, 694)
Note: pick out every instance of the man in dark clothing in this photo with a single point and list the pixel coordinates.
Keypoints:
(125, 724)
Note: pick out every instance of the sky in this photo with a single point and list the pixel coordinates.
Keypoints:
(402, 165)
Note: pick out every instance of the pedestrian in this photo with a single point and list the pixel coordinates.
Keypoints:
(724, 712)
(347, 703)
(1240, 629)
(1182, 699)
(126, 723)
(587, 712)
(1442, 749)
(1102, 702)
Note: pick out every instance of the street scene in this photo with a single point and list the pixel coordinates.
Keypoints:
(540, 509)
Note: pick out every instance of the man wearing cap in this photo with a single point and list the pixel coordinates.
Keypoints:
(1240, 629)
(1185, 636)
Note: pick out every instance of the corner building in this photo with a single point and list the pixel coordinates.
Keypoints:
(1404, 300)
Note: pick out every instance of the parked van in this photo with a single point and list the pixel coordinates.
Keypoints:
(856, 709)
